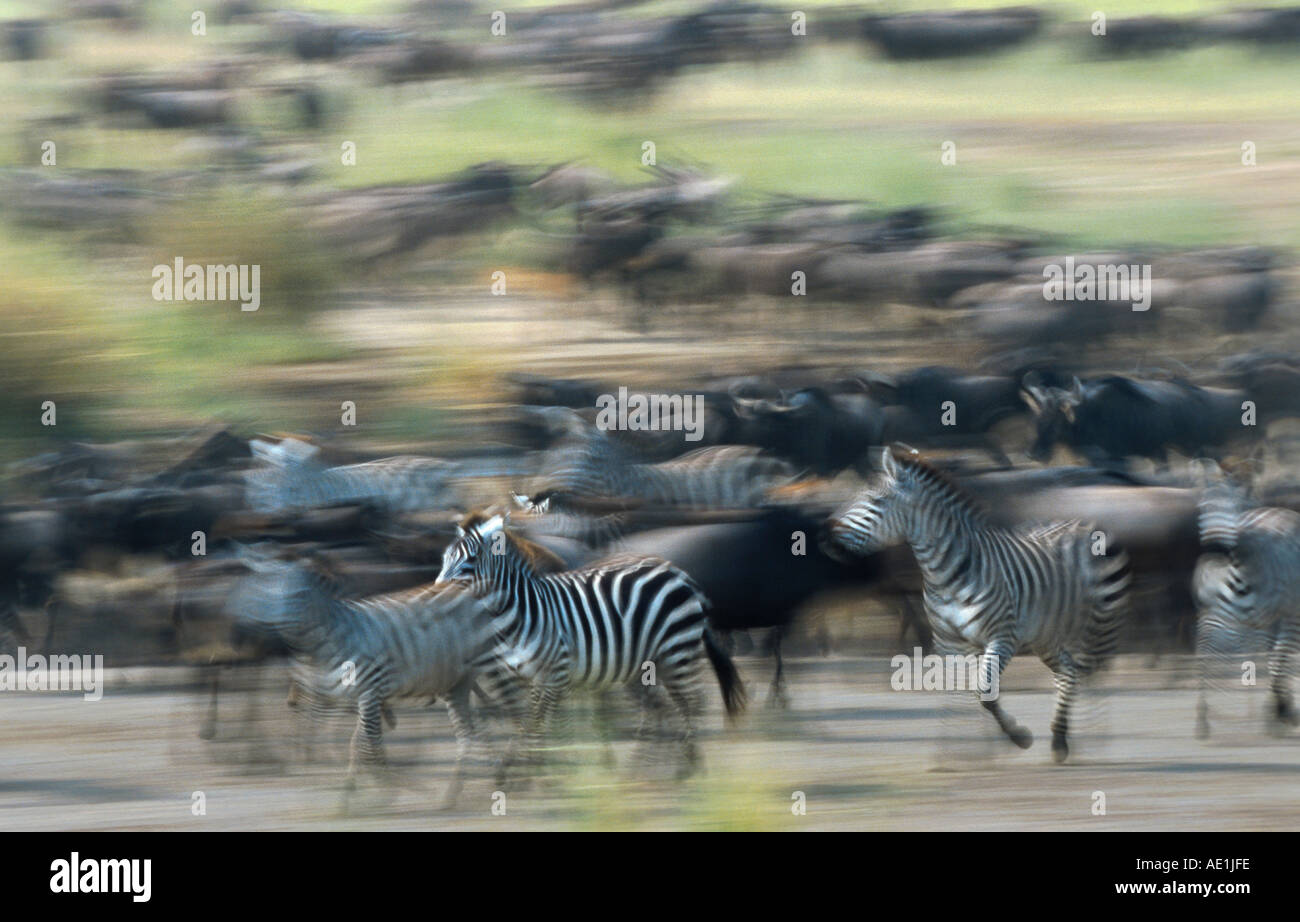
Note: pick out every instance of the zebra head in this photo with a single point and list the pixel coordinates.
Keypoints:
(1218, 513)
(480, 544)
(877, 518)
(276, 594)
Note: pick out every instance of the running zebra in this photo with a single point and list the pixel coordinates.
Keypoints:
(423, 642)
(992, 589)
(601, 626)
(590, 469)
(293, 478)
(1247, 587)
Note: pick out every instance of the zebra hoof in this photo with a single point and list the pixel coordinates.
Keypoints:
(207, 733)
(1202, 729)
(1060, 748)
(1021, 737)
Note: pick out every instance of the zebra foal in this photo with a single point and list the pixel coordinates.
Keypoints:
(427, 642)
(995, 590)
(596, 627)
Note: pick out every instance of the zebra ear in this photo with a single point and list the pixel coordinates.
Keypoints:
(888, 463)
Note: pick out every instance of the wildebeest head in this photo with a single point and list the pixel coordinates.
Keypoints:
(1054, 411)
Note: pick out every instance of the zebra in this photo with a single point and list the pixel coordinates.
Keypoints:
(426, 642)
(995, 589)
(1247, 587)
(590, 469)
(293, 479)
(597, 627)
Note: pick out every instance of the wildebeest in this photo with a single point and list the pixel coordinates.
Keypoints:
(1112, 418)
(757, 572)
(949, 34)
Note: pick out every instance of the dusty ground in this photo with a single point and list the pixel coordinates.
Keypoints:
(863, 756)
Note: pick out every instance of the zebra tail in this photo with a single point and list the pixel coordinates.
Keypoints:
(1101, 632)
(734, 697)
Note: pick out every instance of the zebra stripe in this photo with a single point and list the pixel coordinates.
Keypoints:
(993, 589)
(425, 642)
(292, 479)
(1248, 597)
(728, 476)
(596, 627)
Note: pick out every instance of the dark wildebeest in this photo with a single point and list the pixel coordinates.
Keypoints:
(757, 572)
(947, 408)
(1113, 418)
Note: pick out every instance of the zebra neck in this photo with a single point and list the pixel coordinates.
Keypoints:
(945, 532)
(320, 621)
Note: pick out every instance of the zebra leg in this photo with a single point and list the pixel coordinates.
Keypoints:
(606, 720)
(368, 738)
(1288, 638)
(684, 689)
(544, 695)
(462, 724)
(996, 657)
(1065, 673)
(1205, 661)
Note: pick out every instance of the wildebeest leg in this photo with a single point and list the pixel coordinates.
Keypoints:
(52, 606)
(997, 655)
(776, 697)
(11, 624)
(1284, 647)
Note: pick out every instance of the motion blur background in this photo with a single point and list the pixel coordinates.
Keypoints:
(1060, 143)
(618, 193)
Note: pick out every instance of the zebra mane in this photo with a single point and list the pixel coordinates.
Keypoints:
(537, 557)
(926, 473)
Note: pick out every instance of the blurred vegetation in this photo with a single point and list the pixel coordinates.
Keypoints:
(1085, 152)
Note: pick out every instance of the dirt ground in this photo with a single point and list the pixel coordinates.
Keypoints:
(856, 754)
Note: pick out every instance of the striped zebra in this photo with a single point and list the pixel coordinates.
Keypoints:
(1247, 587)
(293, 479)
(424, 642)
(992, 589)
(597, 472)
(606, 625)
